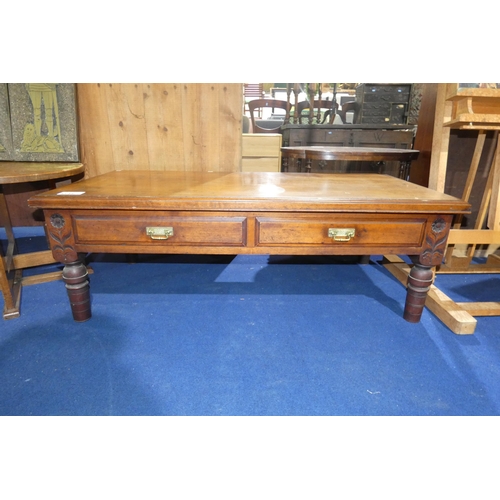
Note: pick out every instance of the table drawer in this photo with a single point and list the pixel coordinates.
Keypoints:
(340, 230)
(172, 230)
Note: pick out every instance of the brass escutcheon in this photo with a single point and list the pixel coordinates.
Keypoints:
(159, 233)
(341, 234)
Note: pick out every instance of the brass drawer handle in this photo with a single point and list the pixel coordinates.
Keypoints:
(341, 234)
(159, 233)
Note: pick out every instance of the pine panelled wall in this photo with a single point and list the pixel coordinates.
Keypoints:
(174, 126)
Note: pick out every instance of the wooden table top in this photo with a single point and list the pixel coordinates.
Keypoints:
(251, 191)
(13, 172)
(350, 153)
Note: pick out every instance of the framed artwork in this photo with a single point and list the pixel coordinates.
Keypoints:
(43, 122)
(5, 131)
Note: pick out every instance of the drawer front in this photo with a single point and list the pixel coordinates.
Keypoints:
(383, 138)
(377, 109)
(368, 232)
(261, 145)
(260, 165)
(187, 230)
(322, 137)
(395, 93)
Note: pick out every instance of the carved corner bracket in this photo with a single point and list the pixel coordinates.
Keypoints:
(435, 241)
(61, 238)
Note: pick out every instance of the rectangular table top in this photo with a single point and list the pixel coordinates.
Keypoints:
(255, 191)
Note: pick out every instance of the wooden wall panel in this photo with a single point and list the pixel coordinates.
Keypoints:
(174, 126)
(419, 171)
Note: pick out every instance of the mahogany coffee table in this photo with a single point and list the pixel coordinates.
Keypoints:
(159, 212)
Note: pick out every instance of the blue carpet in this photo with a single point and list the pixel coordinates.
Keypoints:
(245, 335)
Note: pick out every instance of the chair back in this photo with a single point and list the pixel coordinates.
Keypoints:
(349, 106)
(321, 112)
(259, 104)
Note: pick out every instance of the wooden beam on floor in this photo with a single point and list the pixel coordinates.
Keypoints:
(46, 277)
(481, 308)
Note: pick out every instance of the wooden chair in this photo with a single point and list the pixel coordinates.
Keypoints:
(256, 106)
(349, 106)
(322, 110)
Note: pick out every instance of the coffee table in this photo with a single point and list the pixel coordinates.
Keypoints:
(156, 212)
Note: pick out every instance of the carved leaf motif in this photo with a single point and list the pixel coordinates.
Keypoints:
(435, 243)
(61, 235)
(433, 254)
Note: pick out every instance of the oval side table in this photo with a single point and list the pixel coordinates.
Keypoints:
(13, 263)
(347, 153)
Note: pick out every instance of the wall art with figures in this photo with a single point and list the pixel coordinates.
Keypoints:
(38, 122)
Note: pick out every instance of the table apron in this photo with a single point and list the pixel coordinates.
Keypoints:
(295, 233)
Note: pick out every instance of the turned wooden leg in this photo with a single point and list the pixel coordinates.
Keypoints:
(404, 170)
(75, 276)
(419, 282)
(284, 164)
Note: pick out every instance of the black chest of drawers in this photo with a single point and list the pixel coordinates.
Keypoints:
(383, 103)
